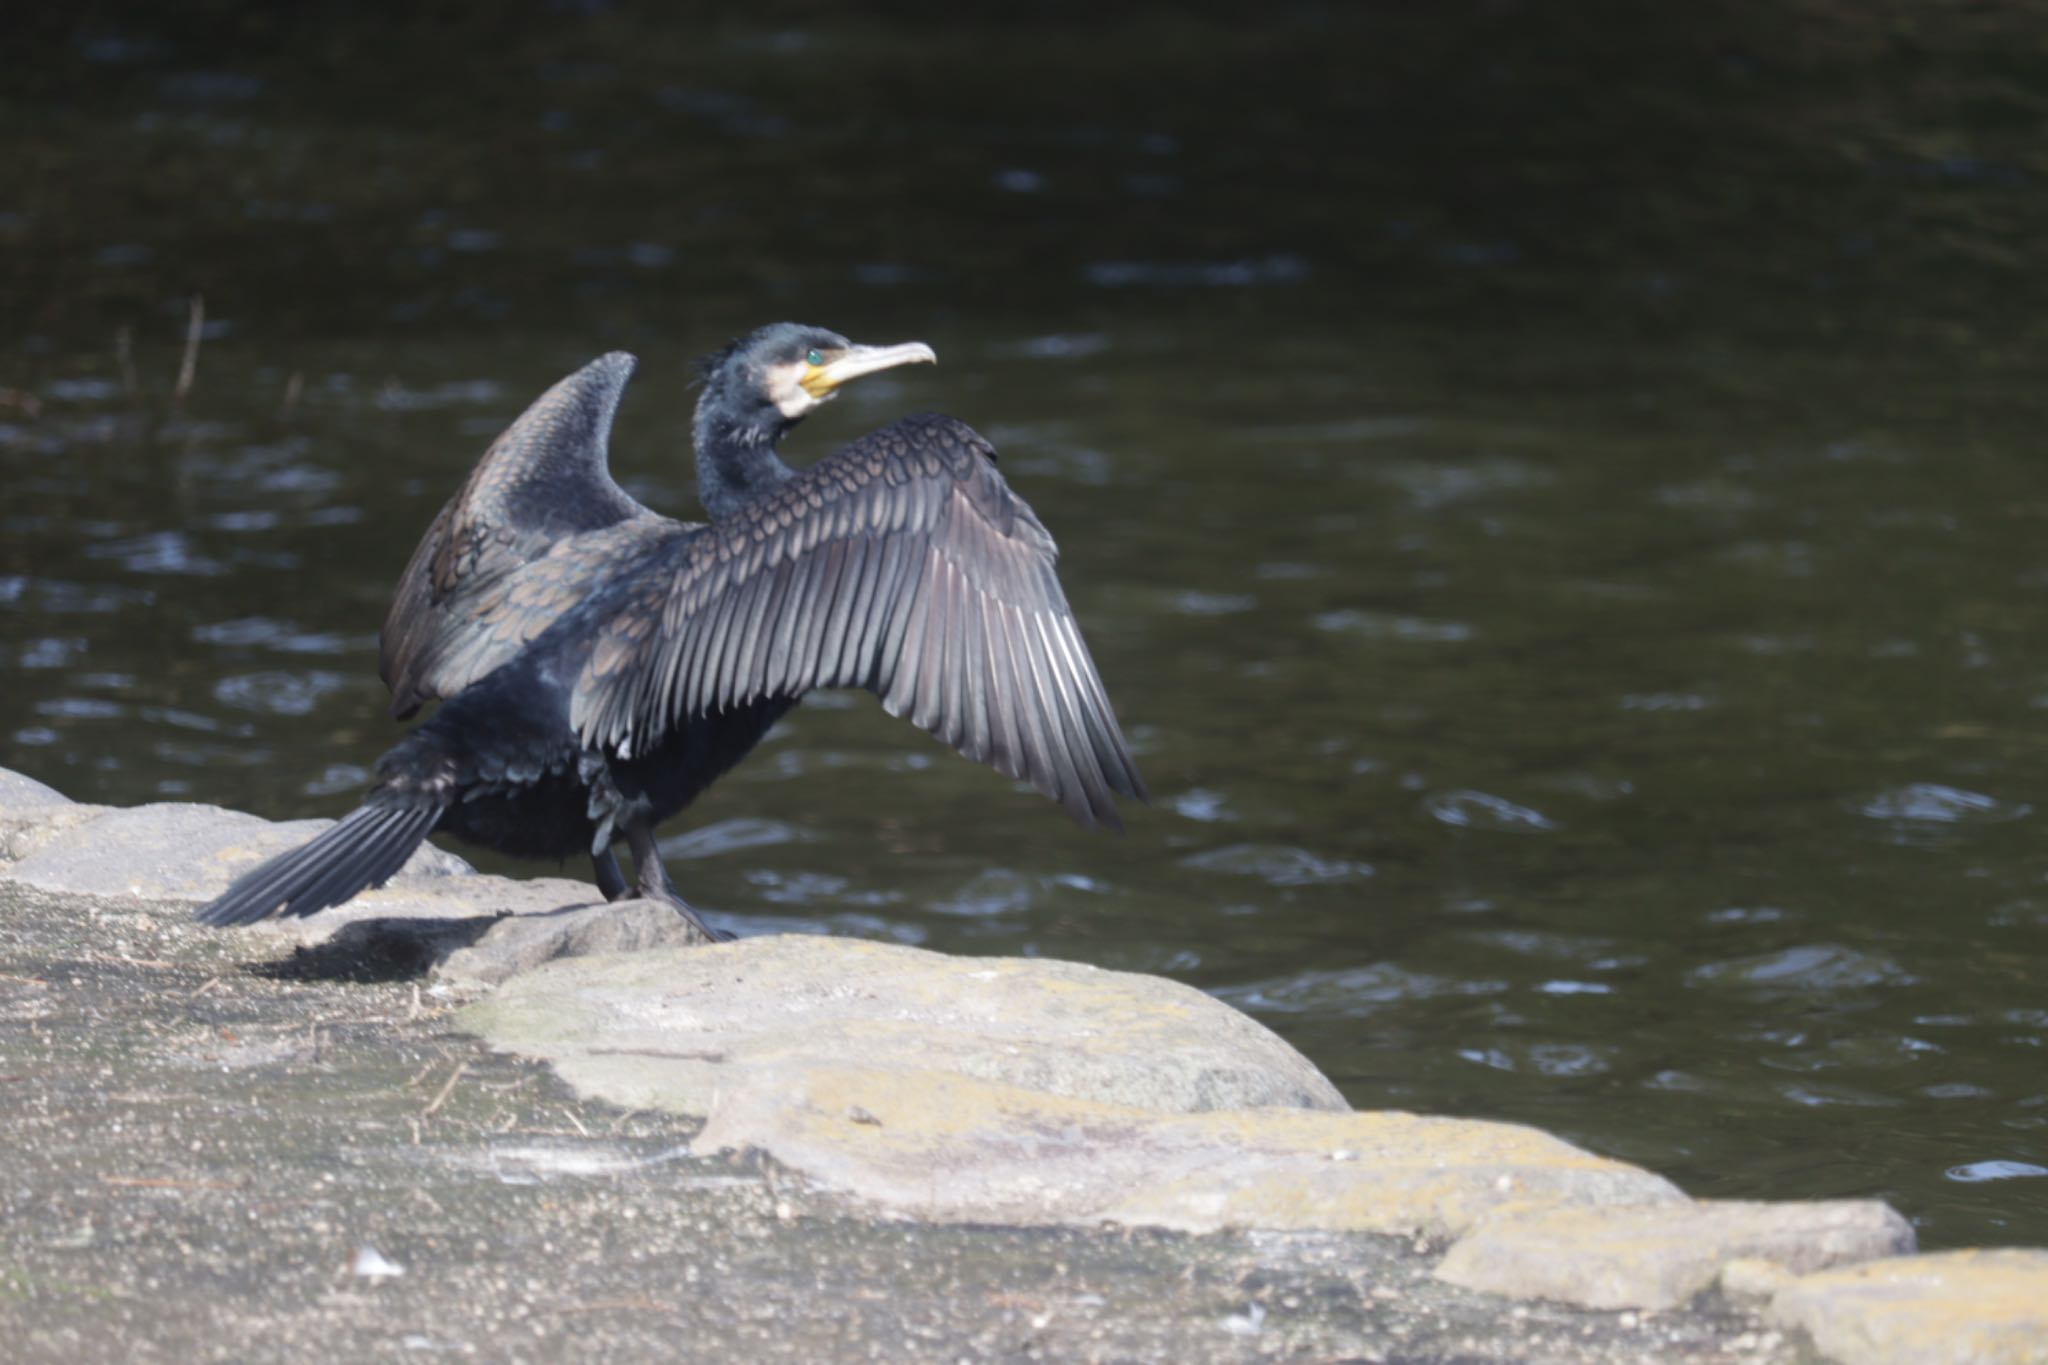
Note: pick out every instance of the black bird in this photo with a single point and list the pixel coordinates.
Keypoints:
(539, 524)
(603, 665)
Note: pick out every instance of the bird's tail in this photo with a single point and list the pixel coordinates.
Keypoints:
(362, 849)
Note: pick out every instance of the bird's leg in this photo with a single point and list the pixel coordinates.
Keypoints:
(652, 879)
(612, 882)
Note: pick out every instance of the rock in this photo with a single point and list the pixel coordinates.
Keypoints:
(1019, 1090)
(681, 1025)
(1748, 1280)
(24, 830)
(177, 852)
(1953, 1308)
(19, 790)
(950, 1147)
(470, 930)
(32, 814)
(202, 1150)
(1660, 1257)
(520, 943)
(436, 913)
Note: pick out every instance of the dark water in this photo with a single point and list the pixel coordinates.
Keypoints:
(1556, 499)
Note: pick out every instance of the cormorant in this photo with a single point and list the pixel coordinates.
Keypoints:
(602, 665)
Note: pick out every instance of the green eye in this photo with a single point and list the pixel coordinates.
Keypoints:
(816, 358)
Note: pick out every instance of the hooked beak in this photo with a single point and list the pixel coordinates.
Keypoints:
(821, 380)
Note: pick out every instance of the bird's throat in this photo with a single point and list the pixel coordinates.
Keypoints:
(736, 459)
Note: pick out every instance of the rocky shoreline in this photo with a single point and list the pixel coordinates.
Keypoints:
(835, 1114)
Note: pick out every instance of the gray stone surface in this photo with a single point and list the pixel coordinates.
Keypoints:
(1952, 1308)
(213, 1130)
(679, 1026)
(520, 943)
(26, 829)
(941, 1145)
(1661, 1256)
(965, 1093)
(32, 814)
(177, 852)
(1020, 1091)
(19, 790)
(437, 913)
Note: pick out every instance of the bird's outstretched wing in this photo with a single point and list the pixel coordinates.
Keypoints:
(534, 530)
(903, 564)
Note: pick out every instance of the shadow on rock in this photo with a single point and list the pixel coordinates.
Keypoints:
(474, 949)
(399, 948)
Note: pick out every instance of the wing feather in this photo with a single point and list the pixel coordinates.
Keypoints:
(856, 581)
(903, 564)
(891, 614)
(1037, 767)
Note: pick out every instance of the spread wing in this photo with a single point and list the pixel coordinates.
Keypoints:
(537, 526)
(903, 564)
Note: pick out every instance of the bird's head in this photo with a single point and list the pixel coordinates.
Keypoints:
(791, 369)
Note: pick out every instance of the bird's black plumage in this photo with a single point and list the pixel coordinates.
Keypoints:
(603, 665)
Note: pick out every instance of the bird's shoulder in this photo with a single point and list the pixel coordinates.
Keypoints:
(547, 476)
(524, 538)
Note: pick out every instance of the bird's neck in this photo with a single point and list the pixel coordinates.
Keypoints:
(736, 459)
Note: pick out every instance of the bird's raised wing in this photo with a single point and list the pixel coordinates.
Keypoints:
(903, 564)
(529, 535)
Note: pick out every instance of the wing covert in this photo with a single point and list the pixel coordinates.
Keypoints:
(545, 482)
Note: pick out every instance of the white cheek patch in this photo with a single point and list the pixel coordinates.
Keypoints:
(787, 393)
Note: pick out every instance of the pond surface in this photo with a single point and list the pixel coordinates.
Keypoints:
(1563, 536)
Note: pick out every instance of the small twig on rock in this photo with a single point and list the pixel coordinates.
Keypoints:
(204, 989)
(446, 1086)
(622, 1305)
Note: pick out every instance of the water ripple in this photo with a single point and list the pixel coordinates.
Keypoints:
(1933, 803)
(1280, 268)
(1431, 484)
(284, 636)
(1278, 865)
(1978, 1171)
(1201, 804)
(1379, 625)
(277, 692)
(1350, 992)
(80, 708)
(1481, 810)
(167, 552)
(730, 836)
(997, 891)
(1815, 967)
(1213, 603)
(395, 397)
